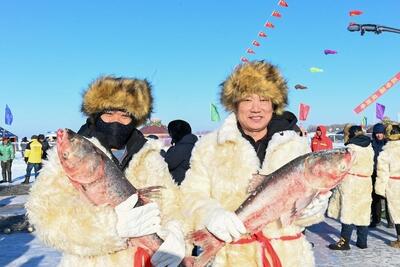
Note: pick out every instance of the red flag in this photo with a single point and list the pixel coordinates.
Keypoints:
(243, 59)
(276, 14)
(269, 25)
(262, 34)
(255, 43)
(283, 3)
(303, 113)
(250, 51)
(355, 13)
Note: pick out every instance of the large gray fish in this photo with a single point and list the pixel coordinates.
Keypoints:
(282, 195)
(100, 181)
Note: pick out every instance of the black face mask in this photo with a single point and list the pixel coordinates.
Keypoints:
(114, 134)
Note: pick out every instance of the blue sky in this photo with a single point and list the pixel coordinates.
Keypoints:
(51, 50)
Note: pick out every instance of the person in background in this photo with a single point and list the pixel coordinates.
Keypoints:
(320, 141)
(351, 200)
(33, 158)
(259, 136)
(6, 159)
(178, 155)
(45, 145)
(378, 141)
(387, 182)
(24, 142)
(91, 235)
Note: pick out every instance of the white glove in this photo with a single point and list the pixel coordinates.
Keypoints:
(172, 250)
(225, 225)
(139, 221)
(318, 205)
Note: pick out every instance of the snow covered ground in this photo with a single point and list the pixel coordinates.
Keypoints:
(24, 249)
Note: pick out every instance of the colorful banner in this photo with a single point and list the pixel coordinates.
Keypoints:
(383, 89)
(364, 122)
(303, 111)
(214, 113)
(8, 118)
(380, 111)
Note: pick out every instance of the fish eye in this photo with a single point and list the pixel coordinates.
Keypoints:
(65, 155)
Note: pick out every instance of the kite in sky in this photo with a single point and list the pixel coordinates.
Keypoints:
(262, 34)
(300, 86)
(355, 13)
(255, 43)
(315, 69)
(269, 25)
(329, 52)
(250, 51)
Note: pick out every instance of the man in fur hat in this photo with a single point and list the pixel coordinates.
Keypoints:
(388, 176)
(351, 200)
(91, 235)
(257, 137)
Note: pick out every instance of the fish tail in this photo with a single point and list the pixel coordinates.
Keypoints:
(148, 193)
(209, 244)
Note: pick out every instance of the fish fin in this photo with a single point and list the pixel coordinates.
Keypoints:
(208, 242)
(302, 203)
(148, 193)
(255, 182)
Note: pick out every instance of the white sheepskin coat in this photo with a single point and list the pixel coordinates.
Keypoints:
(351, 200)
(222, 165)
(86, 234)
(386, 185)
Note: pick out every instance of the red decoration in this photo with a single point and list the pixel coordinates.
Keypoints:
(269, 25)
(303, 113)
(262, 34)
(283, 3)
(243, 59)
(255, 43)
(355, 13)
(276, 14)
(250, 51)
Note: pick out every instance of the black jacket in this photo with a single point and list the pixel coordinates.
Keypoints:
(178, 157)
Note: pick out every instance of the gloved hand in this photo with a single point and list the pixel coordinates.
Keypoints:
(225, 225)
(139, 221)
(317, 206)
(172, 250)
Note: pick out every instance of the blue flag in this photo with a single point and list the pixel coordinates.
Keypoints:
(8, 116)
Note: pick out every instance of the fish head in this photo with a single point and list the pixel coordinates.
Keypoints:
(78, 156)
(326, 169)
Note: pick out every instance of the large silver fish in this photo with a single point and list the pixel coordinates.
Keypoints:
(282, 195)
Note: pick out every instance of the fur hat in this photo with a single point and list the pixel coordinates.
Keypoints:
(111, 93)
(393, 132)
(255, 77)
(351, 131)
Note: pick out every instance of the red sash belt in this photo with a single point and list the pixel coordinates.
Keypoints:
(141, 258)
(266, 246)
(395, 177)
(359, 175)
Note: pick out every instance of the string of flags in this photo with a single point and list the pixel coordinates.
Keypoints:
(262, 34)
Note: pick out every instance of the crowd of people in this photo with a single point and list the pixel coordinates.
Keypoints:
(33, 151)
(204, 181)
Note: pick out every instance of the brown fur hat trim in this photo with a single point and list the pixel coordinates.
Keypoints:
(111, 93)
(351, 131)
(255, 77)
(393, 132)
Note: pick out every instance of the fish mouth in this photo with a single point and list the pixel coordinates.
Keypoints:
(60, 135)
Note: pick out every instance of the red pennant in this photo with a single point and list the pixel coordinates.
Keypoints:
(269, 25)
(303, 112)
(283, 3)
(355, 13)
(262, 34)
(243, 59)
(250, 51)
(276, 14)
(255, 43)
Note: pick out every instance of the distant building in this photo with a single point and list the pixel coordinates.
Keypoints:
(160, 131)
